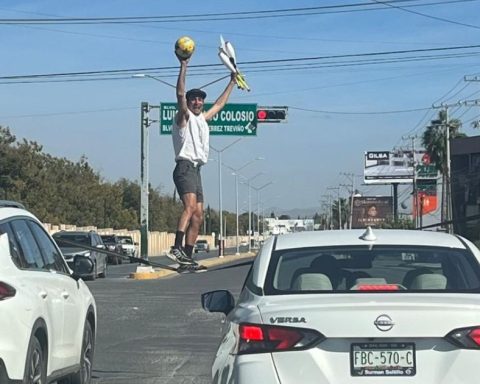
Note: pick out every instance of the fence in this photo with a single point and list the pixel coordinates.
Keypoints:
(158, 242)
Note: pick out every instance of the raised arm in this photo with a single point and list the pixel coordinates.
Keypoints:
(222, 99)
(182, 115)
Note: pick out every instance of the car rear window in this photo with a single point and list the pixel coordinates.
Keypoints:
(79, 239)
(372, 269)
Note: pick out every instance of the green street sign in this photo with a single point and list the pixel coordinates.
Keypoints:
(426, 171)
(232, 120)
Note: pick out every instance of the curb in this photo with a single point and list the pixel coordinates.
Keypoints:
(159, 273)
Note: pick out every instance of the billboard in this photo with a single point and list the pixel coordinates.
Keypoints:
(388, 167)
(371, 211)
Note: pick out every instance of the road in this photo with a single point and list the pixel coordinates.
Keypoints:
(155, 331)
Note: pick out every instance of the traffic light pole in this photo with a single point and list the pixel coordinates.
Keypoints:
(145, 123)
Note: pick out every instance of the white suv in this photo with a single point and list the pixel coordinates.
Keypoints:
(48, 314)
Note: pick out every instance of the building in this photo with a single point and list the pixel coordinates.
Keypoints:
(465, 171)
(274, 226)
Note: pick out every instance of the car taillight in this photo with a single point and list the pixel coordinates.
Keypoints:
(6, 291)
(468, 338)
(259, 338)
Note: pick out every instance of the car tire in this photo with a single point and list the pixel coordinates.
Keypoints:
(84, 375)
(94, 274)
(36, 363)
(104, 273)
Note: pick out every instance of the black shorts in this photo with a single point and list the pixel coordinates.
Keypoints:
(187, 179)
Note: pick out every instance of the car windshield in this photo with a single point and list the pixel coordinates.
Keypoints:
(202, 242)
(108, 239)
(126, 240)
(382, 268)
(75, 238)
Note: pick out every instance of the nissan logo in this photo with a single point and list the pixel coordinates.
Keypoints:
(384, 323)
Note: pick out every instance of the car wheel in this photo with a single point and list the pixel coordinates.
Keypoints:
(36, 364)
(94, 274)
(104, 273)
(84, 375)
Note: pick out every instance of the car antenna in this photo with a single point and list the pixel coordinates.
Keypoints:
(368, 235)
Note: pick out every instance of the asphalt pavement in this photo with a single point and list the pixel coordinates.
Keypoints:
(155, 331)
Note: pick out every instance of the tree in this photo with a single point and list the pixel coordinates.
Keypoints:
(434, 141)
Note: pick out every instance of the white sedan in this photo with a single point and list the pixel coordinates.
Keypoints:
(354, 306)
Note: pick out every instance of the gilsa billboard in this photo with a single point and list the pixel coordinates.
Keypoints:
(386, 167)
(371, 211)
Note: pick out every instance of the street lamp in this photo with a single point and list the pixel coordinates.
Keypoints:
(220, 203)
(145, 75)
(248, 181)
(258, 189)
(235, 173)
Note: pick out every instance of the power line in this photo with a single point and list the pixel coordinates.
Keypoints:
(360, 113)
(262, 14)
(263, 62)
(427, 16)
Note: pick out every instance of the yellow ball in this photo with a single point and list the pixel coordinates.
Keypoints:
(184, 47)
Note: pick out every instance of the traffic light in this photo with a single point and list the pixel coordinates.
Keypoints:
(271, 114)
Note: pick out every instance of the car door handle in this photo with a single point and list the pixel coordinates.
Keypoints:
(65, 295)
(43, 294)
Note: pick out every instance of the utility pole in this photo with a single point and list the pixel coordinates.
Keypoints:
(351, 178)
(145, 122)
(414, 182)
(339, 205)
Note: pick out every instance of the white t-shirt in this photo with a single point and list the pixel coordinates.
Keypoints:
(192, 142)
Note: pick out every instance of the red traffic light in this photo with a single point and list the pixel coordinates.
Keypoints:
(271, 114)
(261, 114)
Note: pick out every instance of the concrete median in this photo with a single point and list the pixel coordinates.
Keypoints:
(149, 273)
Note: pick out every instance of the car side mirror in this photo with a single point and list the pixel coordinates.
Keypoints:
(218, 301)
(101, 246)
(82, 265)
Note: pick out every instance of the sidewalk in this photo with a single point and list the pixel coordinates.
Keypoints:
(212, 260)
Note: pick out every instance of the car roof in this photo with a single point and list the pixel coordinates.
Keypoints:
(73, 233)
(7, 211)
(354, 237)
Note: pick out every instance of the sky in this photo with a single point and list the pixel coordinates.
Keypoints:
(339, 107)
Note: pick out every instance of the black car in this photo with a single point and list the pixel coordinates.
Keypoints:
(70, 243)
(113, 244)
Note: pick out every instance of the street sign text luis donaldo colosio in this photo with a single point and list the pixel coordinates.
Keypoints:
(233, 119)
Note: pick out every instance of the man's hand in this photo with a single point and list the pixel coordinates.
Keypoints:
(182, 60)
(233, 77)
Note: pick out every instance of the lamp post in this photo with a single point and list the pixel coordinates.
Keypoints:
(220, 202)
(248, 181)
(258, 189)
(235, 172)
(145, 75)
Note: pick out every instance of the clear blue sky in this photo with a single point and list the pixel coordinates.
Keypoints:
(100, 119)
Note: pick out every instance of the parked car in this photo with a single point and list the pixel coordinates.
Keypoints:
(345, 306)
(202, 246)
(73, 243)
(129, 247)
(48, 316)
(113, 244)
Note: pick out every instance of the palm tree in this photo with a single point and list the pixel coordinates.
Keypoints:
(434, 141)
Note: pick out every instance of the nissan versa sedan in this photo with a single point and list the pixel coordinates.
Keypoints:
(356, 307)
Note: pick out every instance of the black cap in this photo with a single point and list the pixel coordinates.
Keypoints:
(196, 92)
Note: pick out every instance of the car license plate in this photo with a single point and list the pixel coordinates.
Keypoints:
(382, 359)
